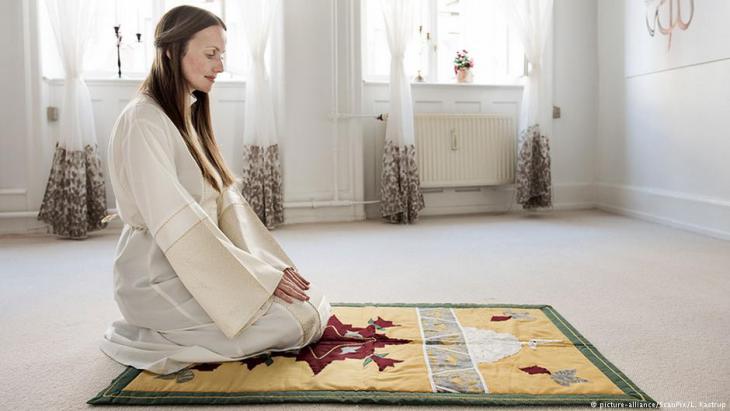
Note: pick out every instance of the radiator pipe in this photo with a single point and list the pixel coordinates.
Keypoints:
(345, 116)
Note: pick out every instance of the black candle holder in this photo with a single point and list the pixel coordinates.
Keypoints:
(118, 35)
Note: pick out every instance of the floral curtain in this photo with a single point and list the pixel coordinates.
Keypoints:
(533, 20)
(262, 183)
(400, 189)
(74, 202)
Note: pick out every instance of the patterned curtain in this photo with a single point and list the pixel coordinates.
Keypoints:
(262, 184)
(400, 189)
(75, 199)
(533, 20)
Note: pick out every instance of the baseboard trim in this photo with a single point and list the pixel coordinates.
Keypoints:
(13, 191)
(22, 225)
(675, 209)
(324, 214)
(566, 196)
(27, 222)
(454, 201)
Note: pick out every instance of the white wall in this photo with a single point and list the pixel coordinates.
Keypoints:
(13, 178)
(21, 128)
(322, 158)
(308, 136)
(574, 91)
(662, 133)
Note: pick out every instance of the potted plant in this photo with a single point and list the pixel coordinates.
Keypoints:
(462, 67)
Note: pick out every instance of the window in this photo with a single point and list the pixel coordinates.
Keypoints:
(140, 16)
(442, 28)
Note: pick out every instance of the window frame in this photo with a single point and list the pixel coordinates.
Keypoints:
(158, 10)
(433, 53)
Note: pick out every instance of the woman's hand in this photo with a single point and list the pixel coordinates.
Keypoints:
(294, 274)
(292, 286)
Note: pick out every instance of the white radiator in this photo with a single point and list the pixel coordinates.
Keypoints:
(456, 150)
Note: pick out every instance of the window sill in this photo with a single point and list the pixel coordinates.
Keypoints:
(135, 81)
(445, 84)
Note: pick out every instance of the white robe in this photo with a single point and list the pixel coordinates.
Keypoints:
(195, 270)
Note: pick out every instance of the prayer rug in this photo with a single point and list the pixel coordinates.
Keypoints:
(428, 354)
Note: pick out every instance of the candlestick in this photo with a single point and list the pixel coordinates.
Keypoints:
(118, 34)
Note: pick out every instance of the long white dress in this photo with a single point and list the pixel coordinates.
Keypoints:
(195, 270)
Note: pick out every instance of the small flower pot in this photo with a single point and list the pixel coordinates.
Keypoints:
(464, 76)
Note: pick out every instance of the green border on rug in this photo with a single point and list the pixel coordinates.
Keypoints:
(633, 396)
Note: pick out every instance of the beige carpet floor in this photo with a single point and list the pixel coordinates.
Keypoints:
(653, 299)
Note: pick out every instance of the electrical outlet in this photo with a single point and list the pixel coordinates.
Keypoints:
(52, 113)
(556, 112)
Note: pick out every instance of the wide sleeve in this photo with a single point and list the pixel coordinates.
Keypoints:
(242, 226)
(229, 283)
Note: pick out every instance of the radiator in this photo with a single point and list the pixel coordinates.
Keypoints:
(456, 150)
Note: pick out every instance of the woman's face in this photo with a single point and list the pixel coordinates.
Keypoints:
(204, 58)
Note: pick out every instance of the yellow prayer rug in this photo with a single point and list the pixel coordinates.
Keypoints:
(445, 354)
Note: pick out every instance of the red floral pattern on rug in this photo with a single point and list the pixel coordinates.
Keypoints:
(566, 377)
(340, 342)
(535, 370)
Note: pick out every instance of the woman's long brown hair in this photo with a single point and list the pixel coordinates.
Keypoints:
(168, 87)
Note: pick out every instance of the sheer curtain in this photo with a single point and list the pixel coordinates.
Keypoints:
(262, 183)
(533, 20)
(74, 202)
(400, 188)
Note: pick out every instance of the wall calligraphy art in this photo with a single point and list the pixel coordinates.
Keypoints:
(667, 34)
(664, 16)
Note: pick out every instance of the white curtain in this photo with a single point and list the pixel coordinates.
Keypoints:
(75, 199)
(73, 24)
(401, 197)
(260, 127)
(533, 21)
(262, 185)
(399, 25)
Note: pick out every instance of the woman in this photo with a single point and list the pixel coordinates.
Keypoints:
(198, 278)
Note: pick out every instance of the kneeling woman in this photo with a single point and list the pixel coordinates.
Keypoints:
(198, 278)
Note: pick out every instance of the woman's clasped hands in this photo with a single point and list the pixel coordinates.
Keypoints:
(292, 286)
